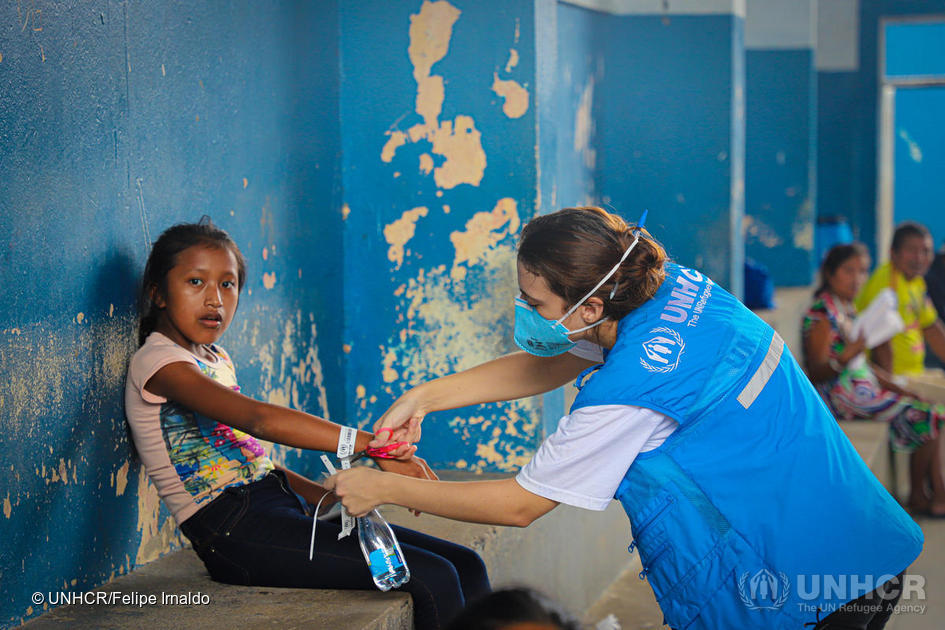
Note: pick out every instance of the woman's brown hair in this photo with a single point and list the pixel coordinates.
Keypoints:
(573, 248)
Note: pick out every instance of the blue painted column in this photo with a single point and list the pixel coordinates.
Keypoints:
(780, 137)
(439, 146)
(669, 125)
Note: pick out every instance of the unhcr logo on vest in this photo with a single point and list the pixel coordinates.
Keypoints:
(764, 590)
(662, 351)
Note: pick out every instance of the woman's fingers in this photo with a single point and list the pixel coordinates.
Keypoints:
(400, 423)
(354, 488)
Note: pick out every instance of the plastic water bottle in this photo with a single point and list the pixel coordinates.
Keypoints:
(382, 552)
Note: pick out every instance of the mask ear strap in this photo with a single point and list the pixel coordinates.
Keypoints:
(613, 270)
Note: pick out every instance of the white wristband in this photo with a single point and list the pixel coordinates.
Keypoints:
(346, 442)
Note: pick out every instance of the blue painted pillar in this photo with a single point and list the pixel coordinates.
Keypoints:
(439, 170)
(780, 136)
(669, 112)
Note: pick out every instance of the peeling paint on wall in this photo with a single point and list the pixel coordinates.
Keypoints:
(584, 126)
(483, 231)
(802, 230)
(514, 95)
(121, 479)
(399, 233)
(915, 151)
(513, 60)
(458, 140)
(756, 229)
(156, 536)
(290, 364)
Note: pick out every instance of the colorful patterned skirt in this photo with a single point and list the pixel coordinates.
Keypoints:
(857, 395)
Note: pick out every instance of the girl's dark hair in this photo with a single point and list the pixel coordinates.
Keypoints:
(506, 607)
(836, 256)
(573, 248)
(163, 257)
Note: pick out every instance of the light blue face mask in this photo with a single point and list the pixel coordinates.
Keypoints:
(546, 338)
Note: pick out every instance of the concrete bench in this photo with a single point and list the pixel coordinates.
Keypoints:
(572, 555)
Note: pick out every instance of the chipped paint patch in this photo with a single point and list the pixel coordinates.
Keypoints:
(483, 231)
(426, 163)
(345, 211)
(584, 126)
(399, 233)
(269, 279)
(156, 537)
(513, 60)
(802, 231)
(514, 95)
(397, 139)
(389, 374)
(458, 140)
(121, 479)
(760, 231)
(79, 317)
(7, 506)
(915, 151)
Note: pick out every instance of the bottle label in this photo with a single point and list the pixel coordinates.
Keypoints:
(383, 563)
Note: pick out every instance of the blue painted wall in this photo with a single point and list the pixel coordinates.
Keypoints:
(848, 123)
(581, 62)
(671, 134)
(779, 163)
(117, 120)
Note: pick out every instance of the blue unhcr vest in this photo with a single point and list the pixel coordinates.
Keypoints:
(757, 511)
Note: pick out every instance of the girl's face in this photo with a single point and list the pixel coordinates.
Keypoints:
(847, 279)
(201, 297)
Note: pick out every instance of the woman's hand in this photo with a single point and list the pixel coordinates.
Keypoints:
(358, 489)
(400, 423)
(852, 349)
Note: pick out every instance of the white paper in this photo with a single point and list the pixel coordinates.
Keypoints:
(880, 321)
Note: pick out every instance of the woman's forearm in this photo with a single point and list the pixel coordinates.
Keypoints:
(510, 377)
(495, 502)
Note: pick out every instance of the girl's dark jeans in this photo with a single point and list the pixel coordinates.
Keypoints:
(258, 534)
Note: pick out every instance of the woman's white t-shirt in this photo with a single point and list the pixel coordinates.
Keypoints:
(583, 462)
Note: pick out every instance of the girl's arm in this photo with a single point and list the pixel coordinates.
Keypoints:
(495, 502)
(306, 488)
(184, 383)
(509, 377)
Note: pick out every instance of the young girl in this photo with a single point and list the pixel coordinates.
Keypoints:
(248, 519)
(741, 489)
(855, 389)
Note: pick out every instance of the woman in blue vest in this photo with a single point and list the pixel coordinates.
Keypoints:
(748, 505)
